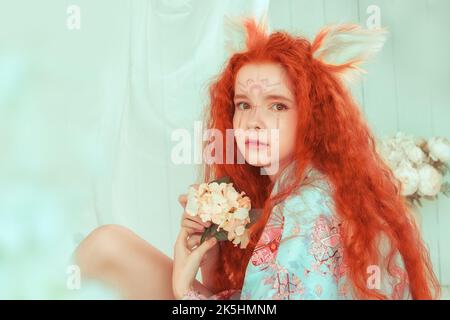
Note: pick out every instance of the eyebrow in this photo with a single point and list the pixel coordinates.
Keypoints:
(268, 97)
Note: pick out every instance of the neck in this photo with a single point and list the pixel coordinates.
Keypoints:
(281, 165)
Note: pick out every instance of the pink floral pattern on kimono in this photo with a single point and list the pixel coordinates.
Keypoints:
(300, 255)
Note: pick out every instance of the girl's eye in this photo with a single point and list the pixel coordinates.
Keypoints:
(242, 106)
(279, 107)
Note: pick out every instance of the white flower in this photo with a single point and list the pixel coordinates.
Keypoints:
(430, 180)
(239, 230)
(414, 153)
(394, 158)
(232, 195)
(218, 219)
(230, 225)
(230, 234)
(224, 206)
(192, 204)
(241, 213)
(243, 239)
(244, 202)
(217, 188)
(202, 189)
(439, 149)
(401, 138)
(408, 176)
(391, 151)
(218, 198)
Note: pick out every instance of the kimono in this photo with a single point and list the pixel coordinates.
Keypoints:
(299, 254)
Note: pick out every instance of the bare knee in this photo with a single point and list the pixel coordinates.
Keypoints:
(101, 248)
(117, 256)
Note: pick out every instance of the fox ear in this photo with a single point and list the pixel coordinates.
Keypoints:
(344, 47)
(234, 34)
(242, 33)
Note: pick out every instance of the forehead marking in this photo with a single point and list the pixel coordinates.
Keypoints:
(257, 86)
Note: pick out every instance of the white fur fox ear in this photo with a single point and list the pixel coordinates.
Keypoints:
(242, 32)
(345, 47)
(234, 34)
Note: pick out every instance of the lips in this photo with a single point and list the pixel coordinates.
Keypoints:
(255, 143)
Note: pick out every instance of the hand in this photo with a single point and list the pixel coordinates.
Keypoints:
(189, 255)
(186, 263)
(195, 226)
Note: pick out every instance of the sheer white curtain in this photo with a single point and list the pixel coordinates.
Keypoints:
(86, 115)
(173, 50)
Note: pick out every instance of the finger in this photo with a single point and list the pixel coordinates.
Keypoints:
(196, 219)
(199, 220)
(182, 238)
(182, 199)
(193, 225)
(192, 231)
(200, 251)
(193, 241)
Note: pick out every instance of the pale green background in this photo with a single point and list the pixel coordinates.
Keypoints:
(86, 115)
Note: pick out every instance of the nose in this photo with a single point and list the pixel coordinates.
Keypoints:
(254, 120)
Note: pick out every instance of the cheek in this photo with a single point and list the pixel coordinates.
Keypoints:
(237, 119)
(238, 134)
(288, 134)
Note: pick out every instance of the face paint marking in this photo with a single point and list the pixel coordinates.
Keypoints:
(257, 86)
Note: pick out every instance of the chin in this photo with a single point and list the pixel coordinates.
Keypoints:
(256, 159)
(258, 164)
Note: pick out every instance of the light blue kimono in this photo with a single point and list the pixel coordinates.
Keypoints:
(300, 255)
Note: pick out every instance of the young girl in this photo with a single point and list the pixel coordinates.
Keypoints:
(333, 224)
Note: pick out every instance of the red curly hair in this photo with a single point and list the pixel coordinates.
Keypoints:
(333, 136)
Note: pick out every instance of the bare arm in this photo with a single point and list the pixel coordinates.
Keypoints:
(209, 268)
(195, 227)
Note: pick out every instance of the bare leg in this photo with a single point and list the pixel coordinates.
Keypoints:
(123, 260)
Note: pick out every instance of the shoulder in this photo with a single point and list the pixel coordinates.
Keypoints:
(313, 199)
(310, 246)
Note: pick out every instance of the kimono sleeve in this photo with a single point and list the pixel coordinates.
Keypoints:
(310, 254)
(231, 294)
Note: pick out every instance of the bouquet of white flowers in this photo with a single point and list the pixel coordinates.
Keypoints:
(420, 165)
(228, 210)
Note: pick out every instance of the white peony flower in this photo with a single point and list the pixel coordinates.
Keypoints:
(414, 153)
(394, 157)
(439, 149)
(391, 152)
(430, 180)
(408, 176)
(402, 138)
(412, 166)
